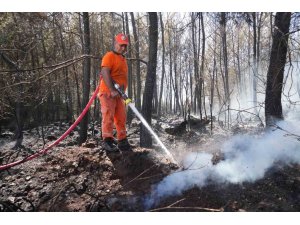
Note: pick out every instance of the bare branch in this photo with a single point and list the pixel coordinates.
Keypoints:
(58, 67)
(135, 59)
(48, 67)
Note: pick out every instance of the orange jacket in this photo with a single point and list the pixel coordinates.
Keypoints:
(118, 70)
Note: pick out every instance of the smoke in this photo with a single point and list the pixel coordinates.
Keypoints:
(291, 93)
(246, 159)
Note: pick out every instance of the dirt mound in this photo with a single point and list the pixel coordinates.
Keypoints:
(82, 179)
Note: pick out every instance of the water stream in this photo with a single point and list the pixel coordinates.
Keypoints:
(137, 113)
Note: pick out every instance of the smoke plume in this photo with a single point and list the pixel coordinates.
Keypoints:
(246, 159)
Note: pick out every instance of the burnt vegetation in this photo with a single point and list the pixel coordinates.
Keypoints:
(198, 79)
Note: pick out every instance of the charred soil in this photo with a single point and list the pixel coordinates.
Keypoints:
(86, 178)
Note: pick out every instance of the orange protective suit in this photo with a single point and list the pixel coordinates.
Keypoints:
(113, 109)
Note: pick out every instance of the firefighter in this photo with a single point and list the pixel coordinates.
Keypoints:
(114, 69)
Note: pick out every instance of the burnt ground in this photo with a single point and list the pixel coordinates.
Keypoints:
(86, 178)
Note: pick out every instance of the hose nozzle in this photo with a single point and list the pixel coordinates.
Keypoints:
(123, 95)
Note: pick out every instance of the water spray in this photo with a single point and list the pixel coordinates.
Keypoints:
(128, 102)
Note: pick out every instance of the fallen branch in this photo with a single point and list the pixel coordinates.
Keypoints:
(156, 175)
(193, 208)
(288, 133)
(139, 175)
(57, 195)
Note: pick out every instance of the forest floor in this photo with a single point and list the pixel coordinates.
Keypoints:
(86, 178)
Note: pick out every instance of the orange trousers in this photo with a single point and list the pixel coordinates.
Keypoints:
(113, 113)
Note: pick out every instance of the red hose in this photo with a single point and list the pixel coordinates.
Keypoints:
(44, 151)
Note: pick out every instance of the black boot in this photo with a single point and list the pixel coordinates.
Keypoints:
(124, 145)
(109, 145)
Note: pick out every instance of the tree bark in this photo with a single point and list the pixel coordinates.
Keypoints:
(273, 107)
(175, 86)
(163, 63)
(225, 61)
(255, 61)
(130, 114)
(145, 140)
(86, 77)
(170, 97)
(138, 69)
(202, 64)
(196, 69)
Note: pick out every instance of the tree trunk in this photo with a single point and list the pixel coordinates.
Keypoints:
(196, 69)
(225, 61)
(163, 63)
(273, 107)
(137, 56)
(170, 70)
(130, 114)
(175, 86)
(86, 77)
(202, 64)
(255, 69)
(145, 140)
(212, 88)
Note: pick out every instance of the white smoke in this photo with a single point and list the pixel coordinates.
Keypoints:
(291, 94)
(246, 159)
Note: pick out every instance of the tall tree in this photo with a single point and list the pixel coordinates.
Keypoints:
(170, 97)
(130, 74)
(163, 63)
(202, 90)
(174, 81)
(86, 76)
(273, 107)
(255, 61)
(196, 66)
(145, 141)
(223, 22)
(137, 55)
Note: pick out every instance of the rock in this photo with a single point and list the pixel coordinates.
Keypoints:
(11, 199)
(89, 144)
(33, 194)
(56, 168)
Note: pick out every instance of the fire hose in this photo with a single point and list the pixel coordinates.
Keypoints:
(63, 136)
(126, 99)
